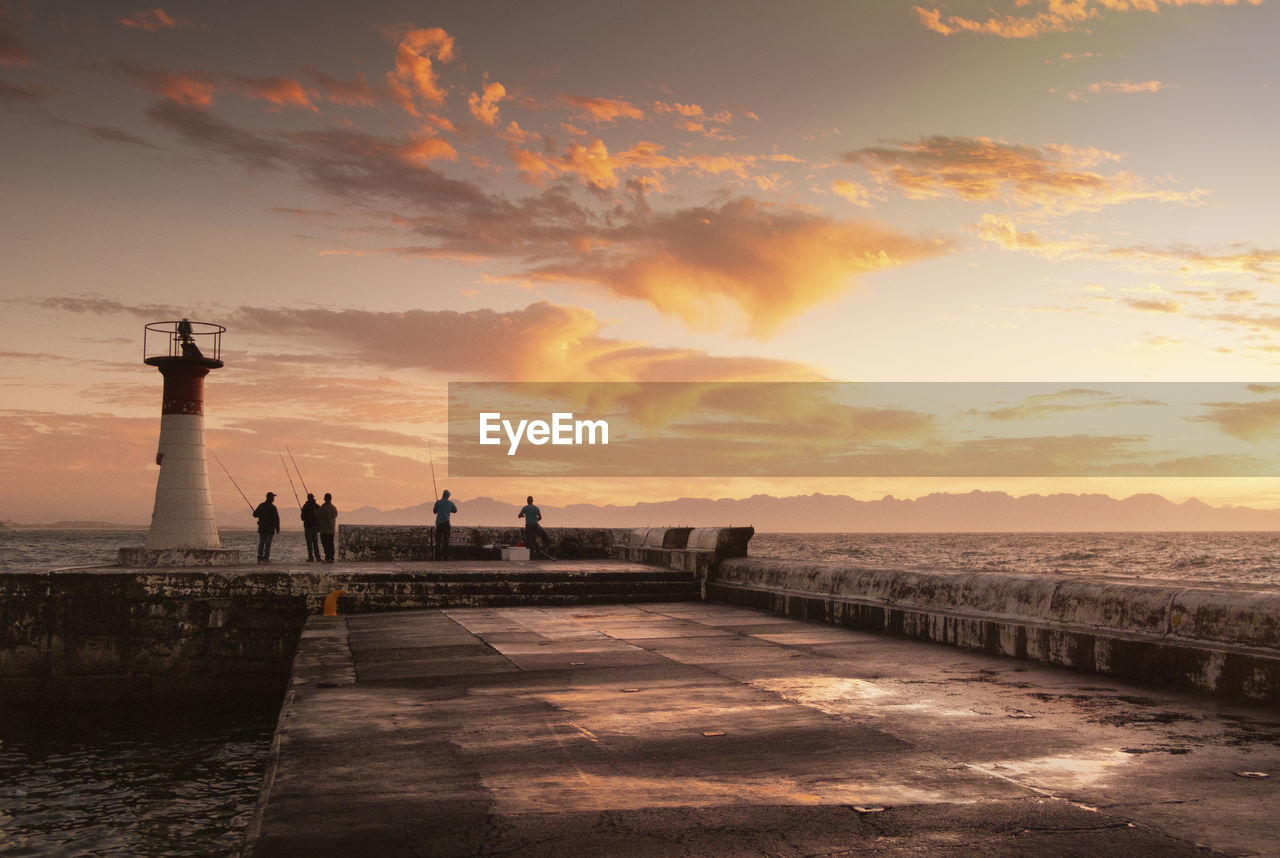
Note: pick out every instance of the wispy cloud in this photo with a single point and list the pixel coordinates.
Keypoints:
(1036, 17)
(1241, 259)
(484, 104)
(1117, 87)
(151, 20)
(603, 111)
(15, 50)
(770, 261)
(1054, 177)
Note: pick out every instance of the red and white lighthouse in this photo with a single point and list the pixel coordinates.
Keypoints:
(184, 352)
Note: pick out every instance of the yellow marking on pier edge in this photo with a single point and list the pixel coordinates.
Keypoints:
(331, 603)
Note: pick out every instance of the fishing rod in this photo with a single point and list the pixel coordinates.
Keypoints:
(290, 476)
(296, 468)
(233, 479)
(432, 459)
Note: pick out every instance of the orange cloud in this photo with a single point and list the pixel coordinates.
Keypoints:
(484, 106)
(1002, 230)
(771, 262)
(1054, 16)
(150, 20)
(280, 91)
(415, 75)
(852, 191)
(195, 89)
(603, 111)
(768, 262)
(1055, 177)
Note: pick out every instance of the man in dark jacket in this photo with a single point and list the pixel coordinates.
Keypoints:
(309, 530)
(443, 509)
(268, 526)
(327, 524)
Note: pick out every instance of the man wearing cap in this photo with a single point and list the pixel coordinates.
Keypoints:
(268, 526)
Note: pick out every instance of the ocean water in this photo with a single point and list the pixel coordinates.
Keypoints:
(1191, 559)
(128, 783)
(1249, 558)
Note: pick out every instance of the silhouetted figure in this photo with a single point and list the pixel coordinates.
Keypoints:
(443, 509)
(268, 526)
(188, 341)
(327, 524)
(310, 531)
(532, 529)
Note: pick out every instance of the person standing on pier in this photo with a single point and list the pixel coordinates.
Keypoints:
(268, 526)
(327, 524)
(443, 509)
(533, 531)
(309, 528)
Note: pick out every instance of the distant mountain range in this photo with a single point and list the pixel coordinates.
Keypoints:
(975, 511)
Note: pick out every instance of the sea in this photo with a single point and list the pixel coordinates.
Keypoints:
(150, 784)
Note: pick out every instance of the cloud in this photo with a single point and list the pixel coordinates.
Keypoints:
(151, 20)
(1037, 17)
(484, 106)
(770, 261)
(1248, 421)
(351, 93)
(603, 111)
(202, 129)
(1122, 87)
(853, 192)
(195, 89)
(1241, 259)
(415, 75)
(1154, 305)
(1054, 177)
(280, 91)
(1002, 230)
(1068, 401)
(20, 92)
(541, 341)
(14, 49)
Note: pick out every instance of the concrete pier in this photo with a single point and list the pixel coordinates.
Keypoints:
(702, 729)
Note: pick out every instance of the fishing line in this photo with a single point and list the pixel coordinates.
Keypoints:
(290, 476)
(233, 479)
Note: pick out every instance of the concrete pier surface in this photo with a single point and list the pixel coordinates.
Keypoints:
(690, 728)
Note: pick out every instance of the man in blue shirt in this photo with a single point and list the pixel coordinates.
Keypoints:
(443, 509)
(532, 530)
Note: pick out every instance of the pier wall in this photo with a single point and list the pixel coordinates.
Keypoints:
(364, 542)
(1222, 640)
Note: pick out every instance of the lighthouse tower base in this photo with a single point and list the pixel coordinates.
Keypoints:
(152, 557)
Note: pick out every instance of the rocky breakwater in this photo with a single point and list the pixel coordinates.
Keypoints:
(1221, 640)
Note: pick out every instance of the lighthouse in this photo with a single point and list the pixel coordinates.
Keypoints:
(183, 531)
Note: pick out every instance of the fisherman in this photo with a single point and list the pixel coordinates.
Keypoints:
(443, 509)
(532, 529)
(327, 524)
(309, 529)
(268, 526)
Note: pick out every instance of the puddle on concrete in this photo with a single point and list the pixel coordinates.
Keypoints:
(851, 696)
(1059, 772)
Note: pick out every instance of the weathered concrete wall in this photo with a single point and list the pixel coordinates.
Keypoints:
(415, 542)
(138, 635)
(1220, 641)
(699, 550)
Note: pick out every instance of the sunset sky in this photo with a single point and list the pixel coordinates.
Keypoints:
(379, 198)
